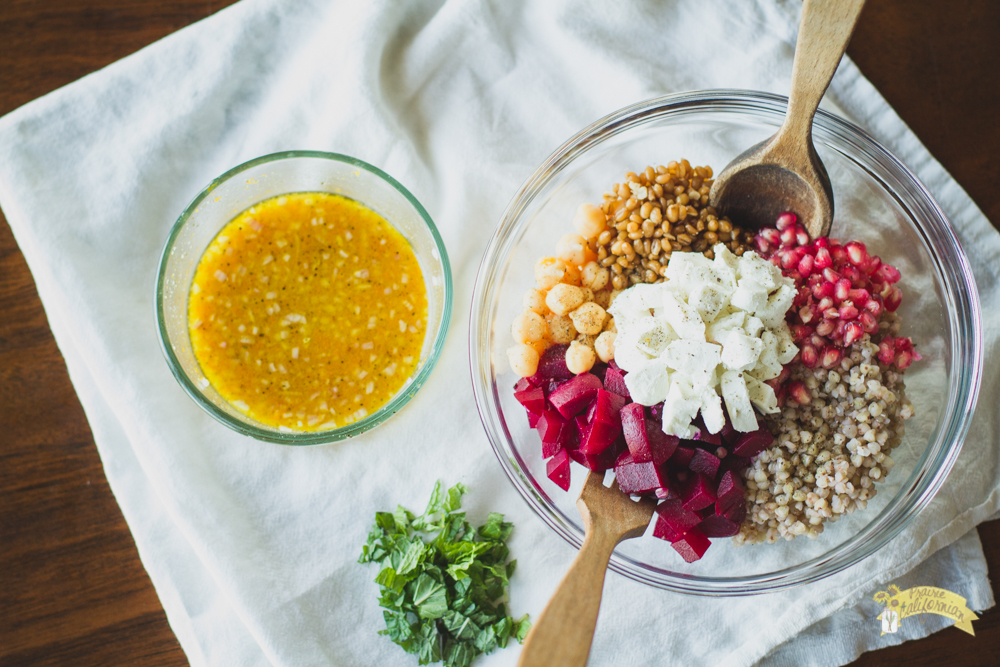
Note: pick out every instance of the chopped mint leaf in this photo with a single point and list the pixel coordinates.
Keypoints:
(442, 583)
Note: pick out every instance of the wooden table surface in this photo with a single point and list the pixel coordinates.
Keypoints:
(72, 588)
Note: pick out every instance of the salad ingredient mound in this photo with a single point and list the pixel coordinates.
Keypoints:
(308, 311)
(714, 330)
(758, 395)
(443, 584)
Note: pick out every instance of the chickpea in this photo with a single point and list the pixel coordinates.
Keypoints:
(571, 248)
(605, 346)
(563, 298)
(588, 318)
(541, 345)
(523, 360)
(590, 221)
(594, 276)
(579, 358)
(548, 272)
(534, 299)
(528, 327)
(561, 329)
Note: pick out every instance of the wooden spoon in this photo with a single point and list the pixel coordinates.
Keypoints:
(563, 633)
(784, 173)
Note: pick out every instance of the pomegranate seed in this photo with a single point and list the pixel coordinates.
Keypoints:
(857, 254)
(904, 359)
(781, 395)
(801, 331)
(809, 356)
(822, 242)
(831, 275)
(771, 235)
(859, 296)
(788, 258)
(763, 247)
(848, 311)
(839, 255)
(852, 332)
(799, 392)
(831, 313)
(817, 342)
(838, 333)
(825, 303)
(786, 220)
(823, 290)
(782, 376)
(889, 273)
(868, 322)
(806, 265)
(825, 327)
(788, 237)
(873, 264)
(802, 237)
(893, 299)
(851, 274)
(802, 297)
(904, 344)
(886, 350)
(823, 259)
(842, 290)
(831, 357)
(805, 314)
(874, 305)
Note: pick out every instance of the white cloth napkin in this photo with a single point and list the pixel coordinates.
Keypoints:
(252, 546)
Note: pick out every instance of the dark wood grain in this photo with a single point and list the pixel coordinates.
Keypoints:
(72, 589)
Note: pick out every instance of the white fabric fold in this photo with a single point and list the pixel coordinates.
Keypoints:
(252, 546)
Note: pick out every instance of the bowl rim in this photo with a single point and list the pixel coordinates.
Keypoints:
(963, 315)
(301, 438)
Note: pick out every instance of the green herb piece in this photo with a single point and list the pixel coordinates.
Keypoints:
(442, 584)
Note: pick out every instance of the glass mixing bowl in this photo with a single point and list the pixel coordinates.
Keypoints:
(878, 201)
(270, 176)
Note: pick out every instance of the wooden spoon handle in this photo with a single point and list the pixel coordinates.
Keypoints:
(562, 635)
(824, 32)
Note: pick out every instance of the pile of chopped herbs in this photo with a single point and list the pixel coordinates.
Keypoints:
(442, 583)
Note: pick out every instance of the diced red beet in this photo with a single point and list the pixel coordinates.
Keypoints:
(729, 493)
(533, 399)
(606, 408)
(614, 381)
(634, 477)
(672, 520)
(733, 462)
(599, 369)
(692, 546)
(753, 443)
(552, 363)
(553, 384)
(598, 437)
(580, 421)
(522, 384)
(537, 380)
(699, 492)
(704, 463)
(614, 364)
(708, 440)
(729, 434)
(557, 468)
(573, 396)
(532, 419)
(718, 526)
(681, 458)
(598, 461)
(736, 514)
(549, 426)
(656, 413)
(646, 440)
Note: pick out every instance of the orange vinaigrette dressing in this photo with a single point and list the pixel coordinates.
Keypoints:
(308, 311)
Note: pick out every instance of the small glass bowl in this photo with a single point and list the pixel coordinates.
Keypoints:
(270, 176)
(940, 311)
